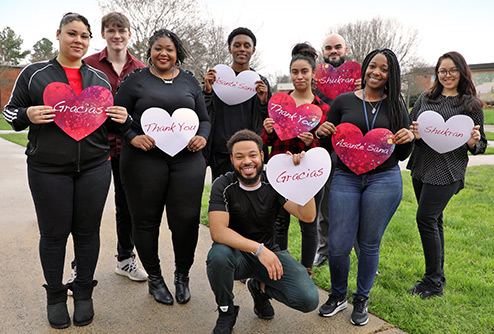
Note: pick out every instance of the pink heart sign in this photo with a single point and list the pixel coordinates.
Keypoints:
(290, 120)
(299, 183)
(171, 133)
(444, 136)
(362, 153)
(78, 116)
(335, 81)
(234, 89)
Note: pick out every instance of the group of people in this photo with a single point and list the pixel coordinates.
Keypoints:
(248, 219)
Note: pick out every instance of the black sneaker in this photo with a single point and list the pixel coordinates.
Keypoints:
(262, 305)
(334, 305)
(360, 316)
(226, 320)
(425, 290)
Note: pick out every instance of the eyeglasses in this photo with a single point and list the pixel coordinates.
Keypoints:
(453, 72)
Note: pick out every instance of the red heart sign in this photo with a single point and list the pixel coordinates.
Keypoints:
(290, 120)
(362, 153)
(78, 116)
(335, 81)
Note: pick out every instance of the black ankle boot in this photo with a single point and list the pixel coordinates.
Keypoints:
(159, 290)
(83, 304)
(58, 315)
(182, 292)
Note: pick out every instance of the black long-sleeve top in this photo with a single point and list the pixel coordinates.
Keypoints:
(436, 168)
(348, 108)
(142, 90)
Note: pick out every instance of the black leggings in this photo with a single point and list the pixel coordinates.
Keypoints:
(69, 203)
(432, 201)
(152, 180)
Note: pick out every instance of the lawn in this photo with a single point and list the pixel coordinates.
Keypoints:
(489, 116)
(3, 124)
(468, 303)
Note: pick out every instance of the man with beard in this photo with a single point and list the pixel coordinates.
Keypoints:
(334, 51)
(242, 211)
(226, 119)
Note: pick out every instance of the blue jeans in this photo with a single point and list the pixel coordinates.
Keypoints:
(295, 289)
(361, 207)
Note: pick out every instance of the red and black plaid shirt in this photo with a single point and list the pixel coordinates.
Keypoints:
(294, 145)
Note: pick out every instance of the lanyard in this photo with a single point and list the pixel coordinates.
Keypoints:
(375, 115)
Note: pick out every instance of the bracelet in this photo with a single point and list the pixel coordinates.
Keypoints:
(258, 250)
(317, 136)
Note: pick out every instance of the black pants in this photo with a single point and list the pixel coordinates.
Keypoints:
(125, 241)
(220, 164)
(432, 200)
(308, 230)
(69, 203)
(152, 180)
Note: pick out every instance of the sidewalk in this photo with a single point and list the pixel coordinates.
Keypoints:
(123, 306)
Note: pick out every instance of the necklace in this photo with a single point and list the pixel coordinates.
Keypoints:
(166, 82)
(374, 106)
(375, 113)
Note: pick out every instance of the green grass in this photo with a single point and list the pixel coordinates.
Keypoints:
(489, 116)
(489, 135)
(468, 303)
(18, 138)
(3, 124)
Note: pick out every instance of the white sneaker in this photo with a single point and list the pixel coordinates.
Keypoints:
(71, 279)
(129, 268)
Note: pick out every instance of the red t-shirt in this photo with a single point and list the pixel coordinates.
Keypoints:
(75, 79)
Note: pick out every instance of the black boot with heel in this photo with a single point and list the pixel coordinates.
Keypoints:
(159, 290)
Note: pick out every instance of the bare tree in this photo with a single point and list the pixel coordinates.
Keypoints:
(363, 36)
(146, 16)
(210, 50)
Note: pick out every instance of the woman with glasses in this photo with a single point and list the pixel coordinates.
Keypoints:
(437, 176)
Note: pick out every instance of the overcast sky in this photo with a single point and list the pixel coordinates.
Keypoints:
(443, 25)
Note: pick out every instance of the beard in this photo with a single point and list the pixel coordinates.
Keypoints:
(251, 180)
(335, 63)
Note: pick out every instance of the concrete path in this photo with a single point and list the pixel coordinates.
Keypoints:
(123, 306)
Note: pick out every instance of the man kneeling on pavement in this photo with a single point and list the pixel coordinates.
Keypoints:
(242, 213)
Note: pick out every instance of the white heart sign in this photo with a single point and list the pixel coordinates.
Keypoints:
(299, 183)
(443, 136)
(171, 133)
(234, 89)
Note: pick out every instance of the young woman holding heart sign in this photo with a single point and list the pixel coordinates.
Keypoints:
(153, 179)
(68, 178)
(437, 176)
(362, 204)
(302, 69)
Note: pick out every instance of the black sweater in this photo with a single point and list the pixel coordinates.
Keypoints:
(348, 108)
(50, 149)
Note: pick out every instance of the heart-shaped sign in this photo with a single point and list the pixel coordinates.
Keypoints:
(299, 183)
(362, 154)
(444, 136)
(234, 89)
(78, 116)
(171, 133)
(335, 81)
(290, 120)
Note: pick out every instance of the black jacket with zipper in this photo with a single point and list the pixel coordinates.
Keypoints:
(50, 149)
